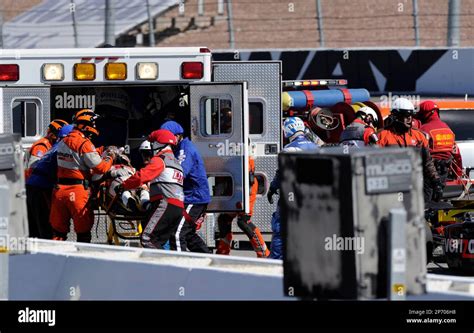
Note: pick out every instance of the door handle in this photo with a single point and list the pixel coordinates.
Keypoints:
(194, 125)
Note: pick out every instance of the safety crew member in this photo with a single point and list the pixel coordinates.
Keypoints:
(196, 193)
(77, 160)
(441, 139)
(399, 133)
(39, 189)
(361, 132)
(293, 130)
(165, 175)
(41, 147)
(244, 222)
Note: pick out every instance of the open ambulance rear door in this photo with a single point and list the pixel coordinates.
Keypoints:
(219, 129)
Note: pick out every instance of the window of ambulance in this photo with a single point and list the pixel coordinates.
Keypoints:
(25, 118)
(461, 123)
(218, 116)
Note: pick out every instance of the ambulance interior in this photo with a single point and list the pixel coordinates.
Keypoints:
(128, 114)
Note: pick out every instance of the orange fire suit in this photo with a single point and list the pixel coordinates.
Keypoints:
(243, 221)
(36, 152)
(77, 157)
(413, 138)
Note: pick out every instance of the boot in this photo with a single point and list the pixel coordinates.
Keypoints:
(224, 244)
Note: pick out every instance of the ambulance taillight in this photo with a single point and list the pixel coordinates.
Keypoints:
(192, 70)
(9, 72)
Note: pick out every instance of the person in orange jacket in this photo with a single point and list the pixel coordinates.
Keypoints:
(442, 142)
(400, 133)
(244, 222)
(42, 146)
(77, 160)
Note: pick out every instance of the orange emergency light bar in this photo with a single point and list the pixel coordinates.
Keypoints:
(312, 83)
(84, 72)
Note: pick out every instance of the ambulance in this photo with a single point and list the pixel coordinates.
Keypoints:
(223, 107)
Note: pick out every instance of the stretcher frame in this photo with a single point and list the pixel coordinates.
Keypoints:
(114, 235)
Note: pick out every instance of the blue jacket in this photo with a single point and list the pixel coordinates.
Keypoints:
(298, 144)
(196, 187)
(44, 171)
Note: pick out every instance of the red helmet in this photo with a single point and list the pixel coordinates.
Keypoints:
(163, 137)
(426, 109)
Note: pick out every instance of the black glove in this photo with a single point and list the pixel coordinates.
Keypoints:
(270, 195)
(437, 191)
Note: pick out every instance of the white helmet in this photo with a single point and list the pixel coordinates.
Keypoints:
(369, 111)
(145, 145)
(402, 106)
(293, 125)
(145, 150)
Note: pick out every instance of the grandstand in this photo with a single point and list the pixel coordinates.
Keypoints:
(256, 23)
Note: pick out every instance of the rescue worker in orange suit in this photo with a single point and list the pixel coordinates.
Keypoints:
(441, 139)
(165, 175)
(244, 222)
(77, 160)
(399, 133)
(42, 146)
(361, 132)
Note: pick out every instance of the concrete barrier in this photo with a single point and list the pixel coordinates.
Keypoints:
(72, 271)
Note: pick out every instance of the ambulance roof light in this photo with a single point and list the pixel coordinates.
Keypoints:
(116, 71)
(53, 72)
(9, 72)
(84, 72)
(192, 70)
(147, 71)
(204, 50)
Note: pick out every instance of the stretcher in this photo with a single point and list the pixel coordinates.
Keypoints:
(124, 224)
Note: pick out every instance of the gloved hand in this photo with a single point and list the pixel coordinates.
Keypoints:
(437, 191)
(112, 152)
(270, 195)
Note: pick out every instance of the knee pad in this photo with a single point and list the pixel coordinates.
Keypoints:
(84, 237)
